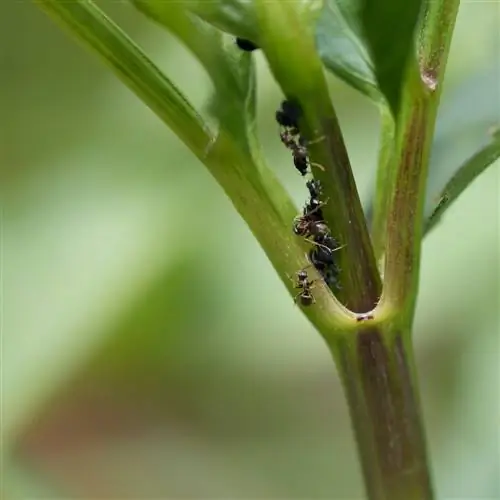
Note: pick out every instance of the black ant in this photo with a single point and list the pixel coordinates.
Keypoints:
(311, 222)
(300, 153)
(305, 285)
(246, 45)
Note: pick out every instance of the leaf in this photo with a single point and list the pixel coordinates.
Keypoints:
(464, 176)
(238, 17)
(465, 119)
(341, 49)
(231, 70)
(368, 43)
(232, 16)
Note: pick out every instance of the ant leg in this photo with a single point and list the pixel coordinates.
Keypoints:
(308, 265)
(317, 165)
(316, 243)
(294, 280)
(318, 139)
(321, 204)
(339, 248)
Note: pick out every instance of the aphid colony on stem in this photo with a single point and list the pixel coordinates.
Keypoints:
(310, 224)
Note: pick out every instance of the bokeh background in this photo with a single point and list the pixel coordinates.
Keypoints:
(148, 348)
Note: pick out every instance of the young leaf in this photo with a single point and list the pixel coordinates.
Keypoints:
(369, 43)
(464, 176)
(231, 70)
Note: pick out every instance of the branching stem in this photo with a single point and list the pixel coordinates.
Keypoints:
(299, 71)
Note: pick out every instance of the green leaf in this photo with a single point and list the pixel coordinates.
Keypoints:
(339, 42)
(368, 43)
(231, 70)
(238, 17)
(466, 115)
(232, 16)
(464, 176)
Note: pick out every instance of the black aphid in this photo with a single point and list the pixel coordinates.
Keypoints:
(246, 45)
(289, 114)
(327, 268)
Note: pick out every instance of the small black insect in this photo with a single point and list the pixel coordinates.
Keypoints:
(308, 227)
(289, 114)
(301, 158)
(326, 246)
(329, 271)
(305, 285)
(246, 45)
(315, 189)
(313, 209)
(311, 224)
(331, 277)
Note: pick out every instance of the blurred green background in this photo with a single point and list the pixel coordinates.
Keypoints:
(149, 350)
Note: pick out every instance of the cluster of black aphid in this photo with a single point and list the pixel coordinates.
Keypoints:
(310, 224)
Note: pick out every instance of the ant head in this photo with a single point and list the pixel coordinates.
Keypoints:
(300, 226)
(302, 275)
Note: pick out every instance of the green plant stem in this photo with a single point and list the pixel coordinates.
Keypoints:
(377, 372)
(415, 131)
(464, 176)
(270, 223)
(385, 181)
(299, 71)
(436, 31)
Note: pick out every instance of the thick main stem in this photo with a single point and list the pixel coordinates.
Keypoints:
(379, 381)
